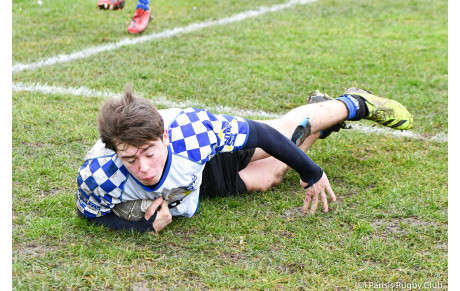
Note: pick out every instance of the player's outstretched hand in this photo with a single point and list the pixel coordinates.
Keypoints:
(318, 189)
(163, 218)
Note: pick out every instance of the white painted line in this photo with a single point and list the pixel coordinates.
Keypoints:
(63, 58)
(158, 101)
(440, 137)
(46, 89)
(162, 101)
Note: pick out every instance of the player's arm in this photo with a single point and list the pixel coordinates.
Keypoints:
(111, 220)
(155, 219)
(277, 145)
(313, 179)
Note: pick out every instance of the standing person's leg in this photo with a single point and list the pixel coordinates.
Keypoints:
(141, 17)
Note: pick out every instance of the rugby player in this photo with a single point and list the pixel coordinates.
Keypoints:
(174, 157)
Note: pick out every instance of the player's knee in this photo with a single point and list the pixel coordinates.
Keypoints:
(260, 185)
(274, 180)
(277, 179)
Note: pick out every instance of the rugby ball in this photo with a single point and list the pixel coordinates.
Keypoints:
(132, 210)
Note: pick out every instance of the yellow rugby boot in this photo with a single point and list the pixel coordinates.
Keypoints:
(384, 111)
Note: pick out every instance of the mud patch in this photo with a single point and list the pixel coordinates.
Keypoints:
(285, 233)
(34, 144)
(371, 263)
(139, 286)
(51, 192)
(293, 213)
(185, 234)
(344, 191)
(442, 247)
(296, 212)
(291, 268)
(234, 256)
(34, 250)
(398, 225)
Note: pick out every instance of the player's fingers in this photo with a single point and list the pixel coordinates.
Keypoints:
(314, 204)
(331, 193)
(152, 208)
(306, 203)
(164, 213)
(324, 201)
(164, 206)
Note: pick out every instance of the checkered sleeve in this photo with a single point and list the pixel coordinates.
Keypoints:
(198, 134)
(100, 185)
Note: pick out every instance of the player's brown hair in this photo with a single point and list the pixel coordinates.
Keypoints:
(129, 120)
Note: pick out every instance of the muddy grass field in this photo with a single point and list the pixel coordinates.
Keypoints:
(389, 224)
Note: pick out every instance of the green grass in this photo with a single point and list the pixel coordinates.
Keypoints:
(390, 221)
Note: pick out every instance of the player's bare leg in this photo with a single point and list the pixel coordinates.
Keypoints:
(328, 115)
(354, 104)
(321, 116)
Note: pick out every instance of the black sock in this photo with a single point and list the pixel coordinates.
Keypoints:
(356, 105)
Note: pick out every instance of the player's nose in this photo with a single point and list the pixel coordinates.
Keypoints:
(143, 165)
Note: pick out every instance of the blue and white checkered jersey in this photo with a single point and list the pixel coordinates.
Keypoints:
(195, 136)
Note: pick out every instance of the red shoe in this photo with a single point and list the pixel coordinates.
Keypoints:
(140, 20)
(111, 4)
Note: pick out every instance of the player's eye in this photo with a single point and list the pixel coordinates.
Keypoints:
(130, 161)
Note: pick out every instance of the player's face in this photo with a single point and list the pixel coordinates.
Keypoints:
(146, 162)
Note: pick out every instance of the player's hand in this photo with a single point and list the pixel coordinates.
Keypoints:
(163, 218)
(318, 189)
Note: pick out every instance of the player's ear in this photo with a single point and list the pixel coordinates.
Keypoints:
(165, 138)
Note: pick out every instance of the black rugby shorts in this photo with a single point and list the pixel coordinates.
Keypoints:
(220, 175)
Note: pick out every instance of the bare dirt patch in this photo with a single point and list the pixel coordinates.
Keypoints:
(291, 268)
(36, 144)
(234, 256)
(33, 250)
(140, 286)
(293, 213)
(397, 225)
(51, 192)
